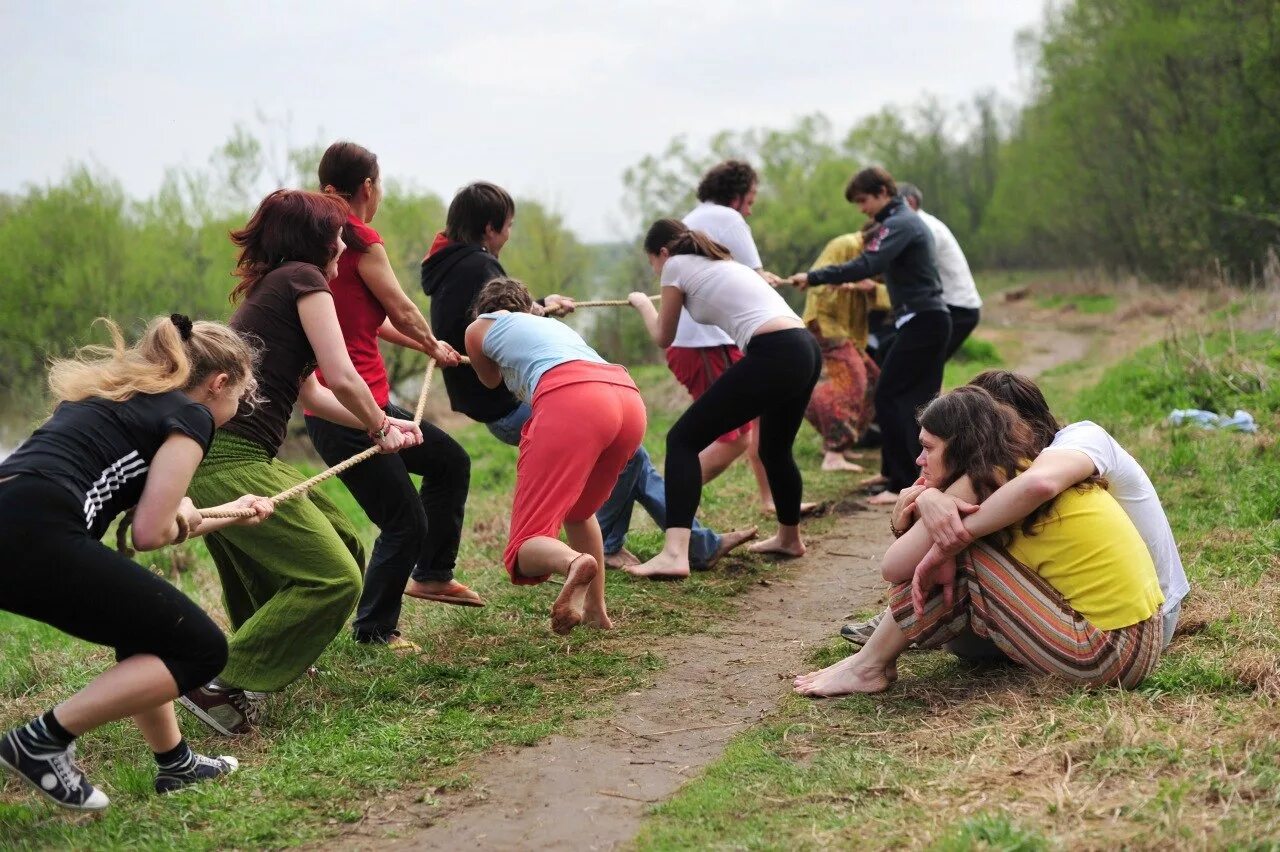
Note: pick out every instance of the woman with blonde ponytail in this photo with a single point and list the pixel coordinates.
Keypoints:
(130, 426)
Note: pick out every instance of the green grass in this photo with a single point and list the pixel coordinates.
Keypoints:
(974, 355)
(963, 757)
(1085, 303)
(370, 725)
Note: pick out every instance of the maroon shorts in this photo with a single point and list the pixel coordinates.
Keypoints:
(697, 367)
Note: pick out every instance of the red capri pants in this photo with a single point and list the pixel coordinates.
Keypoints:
(697, 367)
(588, 420)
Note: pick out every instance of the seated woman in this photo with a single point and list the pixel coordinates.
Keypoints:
(1071, 591)
(588, 419)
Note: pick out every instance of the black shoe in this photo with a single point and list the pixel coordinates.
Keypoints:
(195, 769)
(52, 772)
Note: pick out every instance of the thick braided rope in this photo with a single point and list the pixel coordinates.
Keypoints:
(609, 303)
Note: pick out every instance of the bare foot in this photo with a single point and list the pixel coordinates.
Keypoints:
(836, 461)
(599, 619)
(729, 541)
(845, 677)
(566, 612)
(805, 508)
(622, 559)
(774, 544)
(878, 479)
(884, 498)
(661, 567)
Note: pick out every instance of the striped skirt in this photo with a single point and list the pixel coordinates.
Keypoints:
(1030, 621)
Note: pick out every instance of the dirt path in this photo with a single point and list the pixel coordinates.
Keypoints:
(590, 787)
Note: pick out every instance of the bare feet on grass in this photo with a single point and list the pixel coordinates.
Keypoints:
(664, 566)
(873, 481)
(597, 618)
(846, 677)
(836, 461)
(567, 611)
(805, 508)
(622, 559)
(780, 545)
(729, 541)
(884, 498)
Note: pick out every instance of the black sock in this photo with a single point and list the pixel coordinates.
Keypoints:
(174, 758)
(47, 730)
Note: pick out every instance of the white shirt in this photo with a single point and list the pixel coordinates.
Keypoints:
(725, 294)
(727, 227)
(1133, 490)
(957, 281)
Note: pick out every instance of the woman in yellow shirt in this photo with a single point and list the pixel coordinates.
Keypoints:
(840, 408)
(1071, 591)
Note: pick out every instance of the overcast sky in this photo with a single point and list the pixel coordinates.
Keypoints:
(551, 99)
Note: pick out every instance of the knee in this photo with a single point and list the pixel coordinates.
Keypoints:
(202, 658)
(341, 588)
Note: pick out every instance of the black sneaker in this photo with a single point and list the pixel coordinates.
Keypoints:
(228, 710)
(51, 772)
(195, 769)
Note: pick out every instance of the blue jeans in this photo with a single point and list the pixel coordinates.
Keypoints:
(639, 482)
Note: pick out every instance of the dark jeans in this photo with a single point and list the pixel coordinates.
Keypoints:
(911, 376)
(55, 572)
(773, 382)
(419, 531)
(963, 322)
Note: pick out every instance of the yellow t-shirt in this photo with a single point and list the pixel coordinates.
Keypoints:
(1088, 549)
(842, 314)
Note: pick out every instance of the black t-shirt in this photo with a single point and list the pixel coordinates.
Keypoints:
(100, 450)
(270, 314)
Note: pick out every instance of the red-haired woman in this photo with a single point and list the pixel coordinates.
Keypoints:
(417, 546)
(289, 585)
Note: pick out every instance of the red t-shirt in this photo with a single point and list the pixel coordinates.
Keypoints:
(360, 314)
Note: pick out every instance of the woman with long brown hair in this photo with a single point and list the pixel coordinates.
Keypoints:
(289, 585)
(1071, 591)
(772, 382)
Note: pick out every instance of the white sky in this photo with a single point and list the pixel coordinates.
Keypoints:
(551, 98)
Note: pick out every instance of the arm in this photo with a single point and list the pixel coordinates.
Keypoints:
(871, 263)
(164, 498)
(487, 370)
(402, 314)
(320, 401)
(388, 332)
(661, 326)
(320, 323)
(900, 561)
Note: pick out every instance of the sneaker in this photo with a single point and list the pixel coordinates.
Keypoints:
(859, 633)
(196, 769)
(228, 710)
(51, 772)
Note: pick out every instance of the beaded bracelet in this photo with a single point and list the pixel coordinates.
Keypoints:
(379, 435)
(897, 533)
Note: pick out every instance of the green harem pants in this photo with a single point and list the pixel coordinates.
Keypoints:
(289, 583)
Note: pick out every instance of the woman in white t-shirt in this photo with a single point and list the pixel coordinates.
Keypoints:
(773, 381)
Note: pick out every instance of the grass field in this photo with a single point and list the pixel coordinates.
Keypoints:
(963, 757)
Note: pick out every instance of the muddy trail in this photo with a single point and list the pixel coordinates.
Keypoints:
(591, 786)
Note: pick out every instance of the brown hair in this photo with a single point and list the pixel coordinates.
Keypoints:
(1025, 397)
(674, 236)
(289, 224)
(168, 357)
(344, 167)
(870, 181)
(503, 294)
(986, 440)
(727, 181)
(474, 207)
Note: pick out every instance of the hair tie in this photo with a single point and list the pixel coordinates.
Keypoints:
(183, 322)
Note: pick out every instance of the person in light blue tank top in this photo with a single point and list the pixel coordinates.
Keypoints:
(525, 347)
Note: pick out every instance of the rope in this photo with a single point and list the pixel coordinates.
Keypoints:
(122, 530)
(609, 303)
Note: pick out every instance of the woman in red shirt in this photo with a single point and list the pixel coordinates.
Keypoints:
(419, 530)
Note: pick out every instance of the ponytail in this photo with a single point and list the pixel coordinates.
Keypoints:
(174, 353)
(674, 236)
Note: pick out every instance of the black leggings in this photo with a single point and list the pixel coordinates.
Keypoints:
(54, 571)
(419, 530)
(773, 382)
(910, 377)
